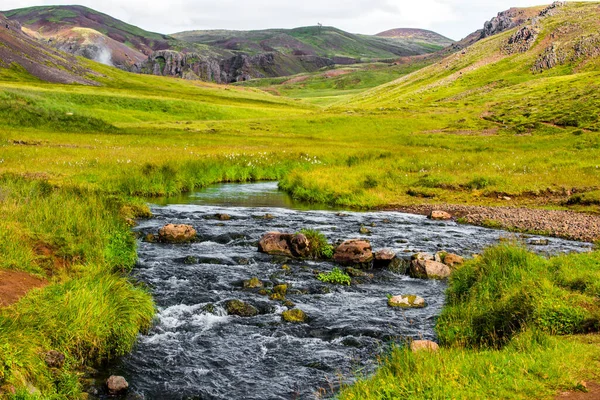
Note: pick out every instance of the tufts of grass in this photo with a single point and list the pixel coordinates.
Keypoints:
(319, 246)
(335, 276)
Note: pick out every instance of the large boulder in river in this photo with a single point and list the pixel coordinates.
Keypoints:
(116, 385)
(177, 233)
(354, 252)
(285, 244)
(428, 269)
(451, 260)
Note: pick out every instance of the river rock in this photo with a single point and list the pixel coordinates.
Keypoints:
(295, 316)
(424, 345)
(116, 385)
(428, 269)
(285, 244)
(423, 257)
(253, 283)
(453, 260)
(176, 233)
(54, 359)
(386, 258)
(223, 217)
(438, 215)
(407, 301)
(354, 252)
(241, 309)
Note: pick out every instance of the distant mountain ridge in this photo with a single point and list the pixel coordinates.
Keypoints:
(219, 56)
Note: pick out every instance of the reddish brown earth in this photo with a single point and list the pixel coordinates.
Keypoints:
(593, 393)
(14, 285)
(39, 60)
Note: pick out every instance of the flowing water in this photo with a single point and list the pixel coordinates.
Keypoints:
(196, 351)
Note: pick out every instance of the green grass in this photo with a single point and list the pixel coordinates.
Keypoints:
(335, 276)
(319, 246)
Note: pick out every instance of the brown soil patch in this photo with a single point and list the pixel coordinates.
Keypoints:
(336, 72)
(297, 79)
(49, 260)
(14, 285)
(593, 392)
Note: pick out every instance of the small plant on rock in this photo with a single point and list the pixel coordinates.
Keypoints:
(336, 276)
(319, 246)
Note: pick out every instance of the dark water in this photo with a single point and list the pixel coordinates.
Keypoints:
(192, 353)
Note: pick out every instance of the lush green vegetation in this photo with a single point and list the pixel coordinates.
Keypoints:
(335, 276)
(466, 130)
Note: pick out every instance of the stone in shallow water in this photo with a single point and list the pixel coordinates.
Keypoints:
(241, 309)
(295, 316)
(353, 252)
(427, 269)
(171, 233)
(253, 283)
(116, 385)
(438, 215)
(407, 301)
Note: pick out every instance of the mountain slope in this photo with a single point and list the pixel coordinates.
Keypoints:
(82, 31)
(508, 78)
(19, 53)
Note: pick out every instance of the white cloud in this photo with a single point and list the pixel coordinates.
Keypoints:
(453, 18)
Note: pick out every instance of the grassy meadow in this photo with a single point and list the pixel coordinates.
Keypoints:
(75, 162)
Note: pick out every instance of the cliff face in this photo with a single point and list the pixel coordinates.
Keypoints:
(238, 68)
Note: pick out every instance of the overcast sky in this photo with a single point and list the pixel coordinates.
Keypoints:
(452, 18)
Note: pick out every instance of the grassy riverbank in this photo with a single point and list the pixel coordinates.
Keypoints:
(500, 333)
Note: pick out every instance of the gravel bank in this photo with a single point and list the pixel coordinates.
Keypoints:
(563, 224)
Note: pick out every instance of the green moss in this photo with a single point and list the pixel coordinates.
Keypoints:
(253, 283)
(240, 308)
(294, 316)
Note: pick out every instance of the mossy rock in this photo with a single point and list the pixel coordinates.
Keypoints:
(253, 283)
(356, 273)
(289, 304)
(281, 289)
(264, 292)
(240, 308)
(277, 297)
(407, 301)
(294, 316)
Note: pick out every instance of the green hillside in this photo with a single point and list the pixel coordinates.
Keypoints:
(311, 41)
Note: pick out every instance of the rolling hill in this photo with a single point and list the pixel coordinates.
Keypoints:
(427, 38)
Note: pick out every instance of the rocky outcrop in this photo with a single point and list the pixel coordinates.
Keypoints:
(423, 345)
(176, 233)
(285, 244)
(428, 269)
(353, 252)
(504, 21)
(228, 69)
(521, 41)
(408, 301)
(116, 385)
